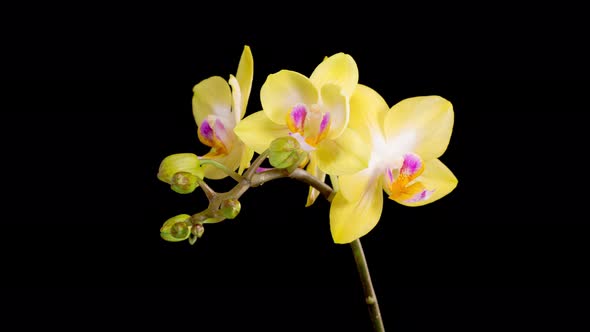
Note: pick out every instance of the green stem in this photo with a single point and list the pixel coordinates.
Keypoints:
(251, 171)
(210, 193)
(222, 167)
(252, 179)
(298, 174)
(357, 249)
(370, 296)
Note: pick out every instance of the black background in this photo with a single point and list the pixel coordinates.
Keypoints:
(90, 106)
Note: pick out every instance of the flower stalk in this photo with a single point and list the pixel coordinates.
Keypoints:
(252, 179)
(222, 167)
(369, 290)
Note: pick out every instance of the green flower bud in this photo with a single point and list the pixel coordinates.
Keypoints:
(198, 230)
(196, 233)
(285, 152)
(230, 208)
(181, 171)
(184, 183)
(176, 228)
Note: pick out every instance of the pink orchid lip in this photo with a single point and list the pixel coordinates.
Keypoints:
(412, 165)
(410, 169)
(215, 137)
(206, 132)
(401, 187)
(296, 118)
(311, 124)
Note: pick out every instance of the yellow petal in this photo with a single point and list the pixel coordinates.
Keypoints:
(352, 219)
(339, 69)
(367, 112)
(257, 131)
(312, 168)
(338, 107)
(348, 184)
(282, 91)
(245, 76)
(231, 160)
(212, 96)
(422, 124)
(236, 95)
(247, 155)
(346, 154)
(436, 178)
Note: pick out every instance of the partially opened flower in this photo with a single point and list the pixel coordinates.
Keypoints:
(217, 110)
(181, 171)
(404, 143)
(313, 110)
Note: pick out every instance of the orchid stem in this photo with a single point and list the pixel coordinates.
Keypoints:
(210, 193)
(357, 249)
(251, 171)
(222, 167)
(252, 179)
(370, 296)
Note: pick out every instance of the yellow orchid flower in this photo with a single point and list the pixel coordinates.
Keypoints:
(217, 111)
(404, 145)
(313, 110)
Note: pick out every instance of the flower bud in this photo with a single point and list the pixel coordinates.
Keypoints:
(184, 183)
(181, 171)
(176, 228)
(198, 230)
(285, 152)
(230, 208)
(196, 233)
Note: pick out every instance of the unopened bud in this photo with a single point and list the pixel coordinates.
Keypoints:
(286, 152)
(196, 233)
(176, 228)
(198, 230)
(181, 171)
(184, 183)
(230, 208)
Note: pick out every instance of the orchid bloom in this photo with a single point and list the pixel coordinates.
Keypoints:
(313, 110)
(402, 146)
(217, 111)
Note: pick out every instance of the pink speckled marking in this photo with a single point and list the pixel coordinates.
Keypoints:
(206, 131)
(325, 122)
(412, 164)
(263, 169)
(297, 116)
(389, 175)
(423, 195)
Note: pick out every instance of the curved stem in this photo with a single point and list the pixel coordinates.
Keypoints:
(370, 296)
(323, 188)
(259, 179)
(298, 174)
(252, 179)
(222, 167)
(357, 249)
(251, 171)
